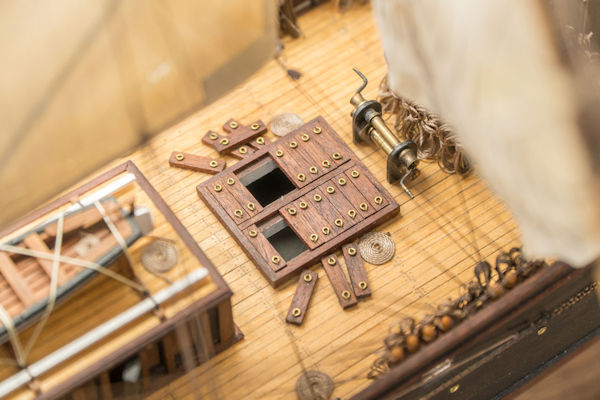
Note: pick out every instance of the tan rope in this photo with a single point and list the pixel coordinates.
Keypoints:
(435, 140)
(13, 336)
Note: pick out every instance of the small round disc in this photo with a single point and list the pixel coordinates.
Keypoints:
(283, 124)
(376, 248)
(314, 385)
(159, 256)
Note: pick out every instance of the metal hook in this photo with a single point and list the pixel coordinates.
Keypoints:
(403, 185)
(364, 78)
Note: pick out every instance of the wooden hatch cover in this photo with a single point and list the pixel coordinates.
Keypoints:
(297, 199)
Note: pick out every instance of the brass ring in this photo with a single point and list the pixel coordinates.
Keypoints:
(303, 205)
(307, 277)
(331, 260)
(313, 170)
(330, 189)
(260, 140)
(355, 174)
(301, 177)
(213, 136)
(363, 206)
(362, 285)
(292, 211)
(279, 153)
(326, 163)
(305, 138)
(218, 187)
(325, 230)
(213, 164)
(314, 237)
(342, 181)
(275, 259)
(293, 144)
(317, 130)
(238, 213)
(233, 124)
(254, 126)
(346, 294)
(243, 150)
(252, 233)
(378, 200)
(296, 312)
(336, 156)
(179, 157)
(352, 213)
(230, 181)
(224, 141)
(251, 206)
(317, 197)
(339, 222)
(352, 251)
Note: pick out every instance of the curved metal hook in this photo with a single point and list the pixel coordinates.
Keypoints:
(364, 78)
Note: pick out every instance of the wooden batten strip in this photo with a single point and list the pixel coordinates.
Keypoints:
(9, 271)
(35, 242)
(301, 299)
(336, 276)
(356, 270)
(196, 163)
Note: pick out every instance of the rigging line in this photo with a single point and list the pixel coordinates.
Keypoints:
(468, 217)
(13, 335)
(53, 285)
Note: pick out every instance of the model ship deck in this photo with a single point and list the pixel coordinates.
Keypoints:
(433, 237)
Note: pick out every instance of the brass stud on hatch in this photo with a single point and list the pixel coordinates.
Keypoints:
(230, 181)
(275, 259)
(293, 144)
(331, 261)
(313, 170)
(260, 140)
(352, 213)
(378, 200)
(254, 126)
(233, 125)
(296, 312)
(326, 163)
(238, 213)
(338, 222)
(362, 285)
(317, 197)
(363, 206)
(542, 330)
(213, 136)
(224, 141)
(355, 174)
(336, 156)
(352, 251)
(217, 187)
(279, 153)
(301, 177)
(325, 230)
(342, 181)
(317, 130)
(213, 164)
(330, 189)
(243, 150)
(303, 205)
(251, 206)
(307, 277)
(292, 211)
(305, 138)
(252, 233)
(314, 237)
(346, 294)
(179, 157)
(454, 388)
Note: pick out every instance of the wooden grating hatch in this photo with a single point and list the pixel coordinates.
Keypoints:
(297, 199)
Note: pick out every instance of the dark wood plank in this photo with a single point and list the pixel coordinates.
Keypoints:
(356, 270)
(319, 149)
(196, 163)
(264, 247)
(227, 200)
(336, 276)
(300, 301)
(339, 154)
(239, 135)
(243, 197)
(242, 152)
(327, 212)
(349, 211)
(354, 196)
(304, 219)
(288, 163)
(374, 195)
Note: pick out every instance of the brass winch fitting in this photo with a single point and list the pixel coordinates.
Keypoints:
(369, 126)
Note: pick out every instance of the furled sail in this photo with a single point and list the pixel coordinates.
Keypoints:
(494, 71)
